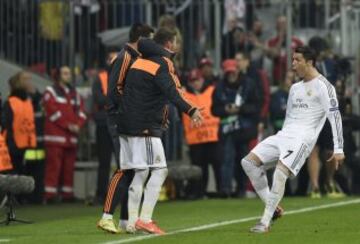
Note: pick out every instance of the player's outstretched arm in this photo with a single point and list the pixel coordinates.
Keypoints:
(169, 84)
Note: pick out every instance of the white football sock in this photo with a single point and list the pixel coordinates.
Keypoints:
(275, 195)
(151, 193)
(135, 194)
(258, 178)
(122, 224)
(107, 216)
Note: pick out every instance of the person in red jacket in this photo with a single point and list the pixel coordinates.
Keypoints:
(276, 50)
(64, 116)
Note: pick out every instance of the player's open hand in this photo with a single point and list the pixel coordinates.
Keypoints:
(197, 118)
(337, 159)
(166, 124)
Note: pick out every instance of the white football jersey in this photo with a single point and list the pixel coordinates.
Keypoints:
(309, 104)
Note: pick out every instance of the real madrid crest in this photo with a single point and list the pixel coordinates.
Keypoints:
(158, 159)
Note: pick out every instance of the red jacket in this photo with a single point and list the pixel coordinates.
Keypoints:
(63, 107)
(266, 91)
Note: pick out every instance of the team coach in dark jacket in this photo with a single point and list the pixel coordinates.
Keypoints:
(150, 84)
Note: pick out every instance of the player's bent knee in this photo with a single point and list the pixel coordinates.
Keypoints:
(251, 158)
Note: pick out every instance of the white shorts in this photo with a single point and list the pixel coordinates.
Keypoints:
(141, 152)
(292, 152)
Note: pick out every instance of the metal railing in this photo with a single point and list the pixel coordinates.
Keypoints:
(45, 34)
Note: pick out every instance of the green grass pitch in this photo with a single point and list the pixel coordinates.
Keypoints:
(75, 223)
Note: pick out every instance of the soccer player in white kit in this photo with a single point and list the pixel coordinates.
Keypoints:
(310, 102)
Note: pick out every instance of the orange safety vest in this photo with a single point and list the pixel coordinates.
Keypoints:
(23, 122)
(103, 75)
(5, 161)
(208, 131)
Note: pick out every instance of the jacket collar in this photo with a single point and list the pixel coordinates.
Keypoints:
(168, 53)
(19, 93)
(133, 52)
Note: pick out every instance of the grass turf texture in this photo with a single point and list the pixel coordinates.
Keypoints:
(75, 223)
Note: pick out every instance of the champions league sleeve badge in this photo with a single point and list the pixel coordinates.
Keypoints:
(333, 102)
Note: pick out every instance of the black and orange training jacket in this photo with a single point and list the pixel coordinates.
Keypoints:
(151, 83)
(117, 74)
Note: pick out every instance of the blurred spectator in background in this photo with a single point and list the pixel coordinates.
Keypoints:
(235, 11)
(233, 41)
(169, 21)
(325, 63)
(277, 50)
(322, 151)
(206, 69)
(104, 143)
(35, 157)
(237, 102)
(19, 122)
(224, 106)
(202, 140)
(256, 38)
(279, 102)
(64, 118)
(261, 85)
(351, 123)
(257, 93)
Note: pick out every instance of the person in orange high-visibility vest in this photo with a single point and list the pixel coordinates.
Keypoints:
(19, 122)
(5, 161)
(202, 140)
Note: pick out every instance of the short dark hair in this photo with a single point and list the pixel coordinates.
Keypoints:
(112, 50)
(55, 72)
(138, 30)
(319, 44)
(164, 35)
(308, 53)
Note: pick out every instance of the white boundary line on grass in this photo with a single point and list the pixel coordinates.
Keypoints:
(5, 240)
(235, 221)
